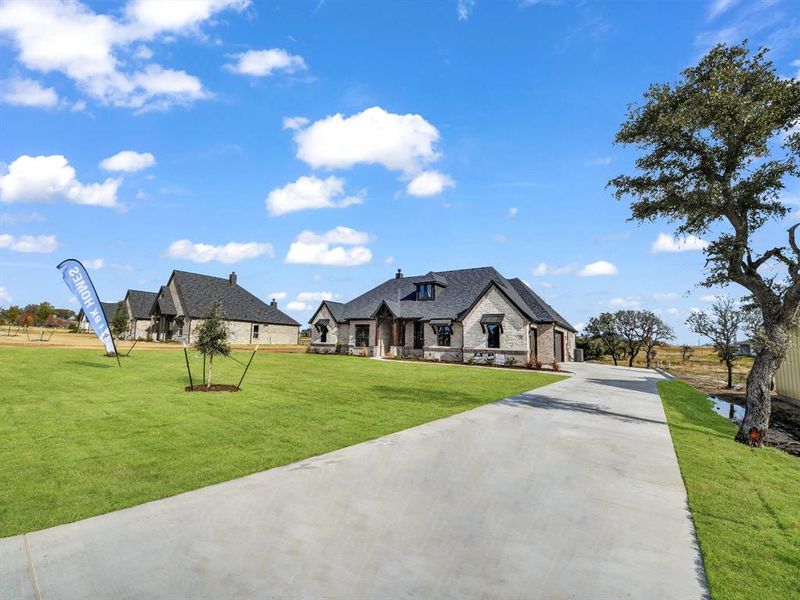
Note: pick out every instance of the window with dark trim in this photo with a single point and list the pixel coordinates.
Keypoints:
(419, 335)
(362, 336)
(492, 335)
(323, 334)
(443, 333)
(426, 291)
(255, 332)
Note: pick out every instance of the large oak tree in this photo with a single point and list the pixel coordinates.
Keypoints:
(717, 148)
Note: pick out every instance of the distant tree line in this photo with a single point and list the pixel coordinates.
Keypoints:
(43, 314)
(624, 335)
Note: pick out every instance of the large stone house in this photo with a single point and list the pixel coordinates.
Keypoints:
(469, 315)
(109, 310)
(179, 307)
(138, 305)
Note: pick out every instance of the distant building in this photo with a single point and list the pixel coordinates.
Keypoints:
(746, 348)
(109, 309)
(179, 307)
(138, 304)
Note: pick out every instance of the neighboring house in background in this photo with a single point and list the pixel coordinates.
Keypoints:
(138, 305)
(745, 348)
(787, 379)
(109, 309)
(180, 305)
(455, 316)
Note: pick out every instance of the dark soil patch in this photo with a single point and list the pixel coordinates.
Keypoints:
(215, 387)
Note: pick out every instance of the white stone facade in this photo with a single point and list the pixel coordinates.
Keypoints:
(520, 339)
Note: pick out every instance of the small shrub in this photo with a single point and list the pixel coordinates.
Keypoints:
(556, 366)
(338, 348)
(511, 361)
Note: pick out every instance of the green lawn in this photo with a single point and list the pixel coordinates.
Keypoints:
(745, 503)
(82, 437)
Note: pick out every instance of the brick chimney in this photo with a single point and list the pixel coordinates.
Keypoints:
(232, 278)
(274, 303)
(399, 274)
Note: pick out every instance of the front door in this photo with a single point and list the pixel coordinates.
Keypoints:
(558, 340)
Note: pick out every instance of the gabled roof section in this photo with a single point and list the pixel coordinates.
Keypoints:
(464, 287)
(198, 292)
(140, 303)
(543, 312)
(163, 303)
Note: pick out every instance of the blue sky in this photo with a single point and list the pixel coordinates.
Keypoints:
(316, 147)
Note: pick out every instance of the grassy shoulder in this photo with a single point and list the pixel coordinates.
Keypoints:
(744, 502)
(82, 437)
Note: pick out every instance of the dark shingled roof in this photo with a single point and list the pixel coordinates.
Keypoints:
(109, 308)
(464, 288)
(164, 302)
(141, 303)
(196, 292)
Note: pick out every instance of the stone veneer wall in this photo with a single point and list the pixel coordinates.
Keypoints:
(515, 338)
(139, 329)
(336, 333)
(241, 333)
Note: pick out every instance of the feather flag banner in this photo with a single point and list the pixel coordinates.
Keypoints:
(80, 284)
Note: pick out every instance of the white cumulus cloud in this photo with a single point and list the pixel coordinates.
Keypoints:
(231, 252)
(667, 243)
(625, 302)
(262, 63)
(128, 161)
(308, 193)
(374, 136)
(39, 244)
(429, 183)
(314, 296)
(278, 295)
(91, 48)
(341, 246)
(600, 267)
(544, 268)
(5, 297)
(94, 264)
(294, 122)
(27, 92)
(46, 178)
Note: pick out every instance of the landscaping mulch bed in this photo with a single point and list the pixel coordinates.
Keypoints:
(214, 387)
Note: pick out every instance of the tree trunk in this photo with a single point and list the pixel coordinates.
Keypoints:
(754, 426)
(210, 364)
(729, 365)
(614, 356)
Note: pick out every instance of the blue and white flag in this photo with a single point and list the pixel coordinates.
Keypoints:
(79, 283)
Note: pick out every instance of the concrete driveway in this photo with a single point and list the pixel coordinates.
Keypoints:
(571, 491)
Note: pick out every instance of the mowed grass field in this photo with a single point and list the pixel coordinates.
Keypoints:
(81, 436)
(744, 502)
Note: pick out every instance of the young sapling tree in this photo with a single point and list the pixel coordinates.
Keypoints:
(212, 337)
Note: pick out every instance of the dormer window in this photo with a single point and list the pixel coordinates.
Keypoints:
(425, 291)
